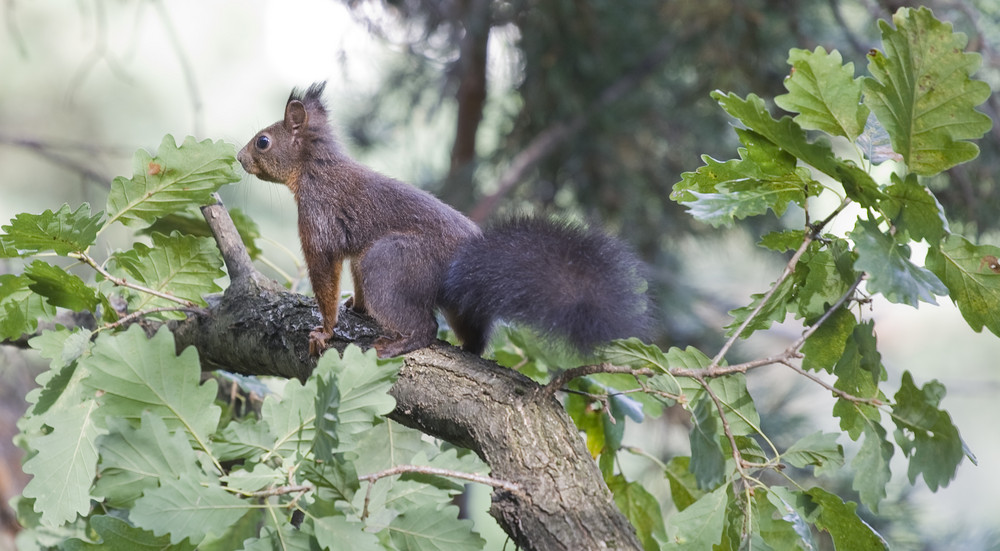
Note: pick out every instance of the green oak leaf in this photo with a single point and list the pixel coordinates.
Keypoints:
(764, 177)
(700, 525)
(824, 93)
(61, 384)
(136, 374)
(871, 466)
(192, 222)
(889, 268)
(822, 285)
(327, 406)
(684, 488)
(914, 210)
(290, 419)
(774, 310)
(825, 346)
(966, 271)
(61, 288)
(118, 535)
(634, 353)
(364, 381)
(20, 308)
(134, 460)
(180, 265)
(435, 530)
(921, 92)
(286, 537)
(832, 515)
(64, 466)
(176, 178)
(783, 241)
(63, 232)
(640, 507)
(776, 530)
(926, 433)
(858, 372)
(333, 531)
(185, 509)
(708, 461)
(787, 135)
(741, 413)
(819, 449)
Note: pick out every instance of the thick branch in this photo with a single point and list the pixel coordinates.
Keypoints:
(519, 430)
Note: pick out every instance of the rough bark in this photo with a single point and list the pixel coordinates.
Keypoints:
(517, 428)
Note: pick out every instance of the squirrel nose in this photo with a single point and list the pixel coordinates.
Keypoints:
(246, 160)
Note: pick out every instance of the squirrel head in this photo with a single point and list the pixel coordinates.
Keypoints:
(279, 152)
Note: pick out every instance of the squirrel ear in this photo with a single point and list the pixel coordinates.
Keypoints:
(296, 116)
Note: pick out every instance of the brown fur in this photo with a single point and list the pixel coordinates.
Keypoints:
(410, 253)
(399, 239)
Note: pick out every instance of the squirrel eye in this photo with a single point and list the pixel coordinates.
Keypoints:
(263, 142)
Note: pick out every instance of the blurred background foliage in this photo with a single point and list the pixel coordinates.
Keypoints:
(583, 109)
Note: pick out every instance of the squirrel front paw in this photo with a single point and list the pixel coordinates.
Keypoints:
(317, 341)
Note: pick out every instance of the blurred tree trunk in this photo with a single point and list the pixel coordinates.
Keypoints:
(470, 96)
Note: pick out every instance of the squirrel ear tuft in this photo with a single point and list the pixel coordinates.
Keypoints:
(296, 117)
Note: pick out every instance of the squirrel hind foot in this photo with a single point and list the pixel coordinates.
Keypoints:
(391, 347)
(318, 341)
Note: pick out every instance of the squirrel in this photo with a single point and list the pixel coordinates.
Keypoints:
(411, 253)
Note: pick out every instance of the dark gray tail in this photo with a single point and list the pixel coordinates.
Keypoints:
(562, 280)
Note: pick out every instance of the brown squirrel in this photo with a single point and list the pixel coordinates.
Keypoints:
(410, 253)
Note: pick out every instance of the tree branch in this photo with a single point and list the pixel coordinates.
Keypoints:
(518, 429)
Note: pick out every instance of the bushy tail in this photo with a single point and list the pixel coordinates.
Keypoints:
(561, 279)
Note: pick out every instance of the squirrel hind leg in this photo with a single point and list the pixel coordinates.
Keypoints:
(398, 286)
(472, 331)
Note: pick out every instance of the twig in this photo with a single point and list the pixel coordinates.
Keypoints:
(833, 389)
(138, 314)
(789, 269)
(814, 230)
(421, 469)
(826, 315)
(282, 490)
(122, 282)
(566, 376)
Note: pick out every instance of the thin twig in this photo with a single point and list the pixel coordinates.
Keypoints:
(140, 313)
(282, 490)
(789, 269)
(826, 315)
(568, 375)
(422, 469)
(833, 389)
